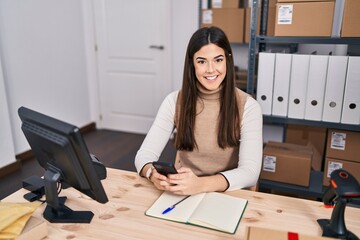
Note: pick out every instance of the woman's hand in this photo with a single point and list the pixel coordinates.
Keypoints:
(159, 181)
(187, 183)
(183, 183)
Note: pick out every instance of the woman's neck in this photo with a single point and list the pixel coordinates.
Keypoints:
(209, 94)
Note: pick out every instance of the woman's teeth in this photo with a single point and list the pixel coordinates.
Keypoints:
(211, 78)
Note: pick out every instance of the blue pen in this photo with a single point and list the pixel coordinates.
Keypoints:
(173, 206)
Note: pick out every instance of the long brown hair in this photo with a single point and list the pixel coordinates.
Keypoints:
(229, 126)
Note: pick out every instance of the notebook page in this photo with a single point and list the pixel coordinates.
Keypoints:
(180, 213)
(219, 211)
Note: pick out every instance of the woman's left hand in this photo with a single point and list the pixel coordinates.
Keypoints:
(184, 183)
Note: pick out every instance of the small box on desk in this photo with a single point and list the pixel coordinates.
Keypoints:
(287, 163)
(257, 233)
(332, 164)
(35, 229)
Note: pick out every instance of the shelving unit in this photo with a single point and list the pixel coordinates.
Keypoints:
(315, 190)
(257, 43)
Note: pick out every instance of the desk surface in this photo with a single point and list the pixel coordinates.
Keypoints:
(130, 196)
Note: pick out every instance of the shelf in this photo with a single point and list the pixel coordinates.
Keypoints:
(257, 43)
(308, 40)
(286, 120)
(316, 189)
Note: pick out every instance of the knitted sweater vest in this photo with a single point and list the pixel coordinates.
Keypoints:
(208, 158)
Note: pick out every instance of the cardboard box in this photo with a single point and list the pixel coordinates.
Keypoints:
(225, 3)
(343, 145)
(230, 20)
(351, 19)
(257, 233)
(316, 159)
(270, 31)
(304, 19)
(287, 163)
(332, 164)
(35, 229)
(309, 136)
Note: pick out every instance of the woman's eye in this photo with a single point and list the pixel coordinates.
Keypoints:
(219, 60)
(201, 62)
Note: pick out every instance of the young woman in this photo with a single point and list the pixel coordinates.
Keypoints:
(218, 126)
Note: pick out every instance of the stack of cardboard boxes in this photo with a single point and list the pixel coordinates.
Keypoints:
(304, 150)
(285, 18)
(342, 151)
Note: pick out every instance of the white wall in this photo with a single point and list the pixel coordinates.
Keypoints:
(43, 55)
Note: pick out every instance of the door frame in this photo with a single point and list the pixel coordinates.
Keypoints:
(91, 60)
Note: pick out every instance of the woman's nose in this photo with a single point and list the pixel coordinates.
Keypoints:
(210, 67)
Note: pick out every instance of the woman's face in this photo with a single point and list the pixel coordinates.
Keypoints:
(210, 66)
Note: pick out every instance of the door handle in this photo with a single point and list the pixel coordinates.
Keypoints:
(157, 47)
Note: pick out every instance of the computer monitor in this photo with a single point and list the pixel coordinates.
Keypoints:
(60, 149)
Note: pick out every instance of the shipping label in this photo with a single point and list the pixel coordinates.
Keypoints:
(269, 163)
(338, 140)
(285, 13)
(332, 166)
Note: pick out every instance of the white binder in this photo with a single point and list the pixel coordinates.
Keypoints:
(316, 87)
(351, 107)
(265, 81)
(334, 90)
(298, 85)
(281, 84)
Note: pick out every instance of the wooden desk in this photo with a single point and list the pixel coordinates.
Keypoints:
(130, 196)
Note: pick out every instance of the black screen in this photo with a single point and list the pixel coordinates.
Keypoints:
(61, 151)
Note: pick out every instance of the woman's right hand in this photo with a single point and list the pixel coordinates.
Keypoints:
(159, 181)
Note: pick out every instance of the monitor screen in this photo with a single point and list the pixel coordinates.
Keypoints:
(60, 149)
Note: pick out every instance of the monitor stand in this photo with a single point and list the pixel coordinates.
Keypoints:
(56, 211)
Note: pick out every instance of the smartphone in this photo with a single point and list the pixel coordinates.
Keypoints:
(164, 168)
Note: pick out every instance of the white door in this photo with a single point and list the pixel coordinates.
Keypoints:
(133, 40)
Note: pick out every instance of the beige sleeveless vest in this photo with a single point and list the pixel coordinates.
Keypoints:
(209, 158)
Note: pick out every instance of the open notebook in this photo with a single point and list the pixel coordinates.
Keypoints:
(212, 210)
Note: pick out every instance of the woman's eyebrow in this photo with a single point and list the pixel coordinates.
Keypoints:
(218, 56)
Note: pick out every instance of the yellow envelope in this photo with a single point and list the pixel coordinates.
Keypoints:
(14, 216)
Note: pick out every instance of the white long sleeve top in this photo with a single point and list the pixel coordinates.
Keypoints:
(247, 172)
